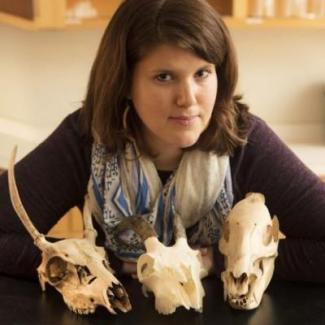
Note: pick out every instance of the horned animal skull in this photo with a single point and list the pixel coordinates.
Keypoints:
(172, 273)
(77, 268)
(249, 243)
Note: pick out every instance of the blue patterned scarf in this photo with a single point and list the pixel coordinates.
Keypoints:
(128, 184)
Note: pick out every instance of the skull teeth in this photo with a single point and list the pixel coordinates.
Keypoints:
(82, 311)
(241, 301)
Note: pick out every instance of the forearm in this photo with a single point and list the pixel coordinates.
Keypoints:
(19, 256)
(301, 260)
(51, 180)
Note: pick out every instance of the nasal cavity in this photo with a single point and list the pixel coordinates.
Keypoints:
(241, 279)
(116, 294)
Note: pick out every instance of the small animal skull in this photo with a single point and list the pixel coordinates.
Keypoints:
(77, 268)
(249, 243)
(172, 273)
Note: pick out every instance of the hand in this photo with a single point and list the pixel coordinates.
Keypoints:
(207, 259)
(130, 268)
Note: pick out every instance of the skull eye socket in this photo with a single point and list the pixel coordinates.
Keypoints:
(84, 274)
(226, 231)
(56, 270)
(143, 267)
(267, 237)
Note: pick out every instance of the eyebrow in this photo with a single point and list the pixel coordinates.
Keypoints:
(159, 70)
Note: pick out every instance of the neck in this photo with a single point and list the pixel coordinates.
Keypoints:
(166, 156)
(168, 160)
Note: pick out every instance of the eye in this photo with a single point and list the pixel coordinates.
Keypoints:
(164, 77)
(203, 73)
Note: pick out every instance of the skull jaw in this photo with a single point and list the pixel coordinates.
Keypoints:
(244, 302)
(83, 303)
(79, 300)
(79, 305)
(165, 306)
(234, 295)
(168, 300)
(256, 285)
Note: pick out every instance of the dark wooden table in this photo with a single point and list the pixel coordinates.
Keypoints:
(22, 302)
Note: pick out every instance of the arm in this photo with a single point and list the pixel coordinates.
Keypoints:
(51, 179)
(293, 193)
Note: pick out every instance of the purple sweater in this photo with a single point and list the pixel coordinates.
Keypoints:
(53, 178)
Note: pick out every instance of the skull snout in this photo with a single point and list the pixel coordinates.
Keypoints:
(239, 279)
(118, 297)
(240, 284)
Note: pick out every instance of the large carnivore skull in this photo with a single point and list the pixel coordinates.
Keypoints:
(249, 243)
(173, 274)
(77, 268)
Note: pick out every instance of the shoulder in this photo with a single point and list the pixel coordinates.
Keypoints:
(262, 159)
(258, 129)
(70, 131)
(266, 164)
(73, 123)
(261, 140)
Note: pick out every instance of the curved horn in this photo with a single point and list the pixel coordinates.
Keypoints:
(39, 239)
(138, 225)
(90, 232)
(179, 228)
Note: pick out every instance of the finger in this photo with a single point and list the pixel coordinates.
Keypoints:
(129, 267)
(204, 251)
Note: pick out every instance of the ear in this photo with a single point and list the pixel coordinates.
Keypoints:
(277, 234)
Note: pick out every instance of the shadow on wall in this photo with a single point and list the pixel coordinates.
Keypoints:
(315, 105)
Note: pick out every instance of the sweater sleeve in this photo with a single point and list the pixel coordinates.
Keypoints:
(50, 180)
(293, 193)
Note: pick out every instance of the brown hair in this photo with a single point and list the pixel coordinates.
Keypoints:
(136, 27)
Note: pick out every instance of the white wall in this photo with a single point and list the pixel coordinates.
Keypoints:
(282, 76)
(44, 76)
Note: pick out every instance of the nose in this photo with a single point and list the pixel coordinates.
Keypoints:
(186, 94)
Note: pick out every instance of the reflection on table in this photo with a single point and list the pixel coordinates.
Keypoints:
(23, 302)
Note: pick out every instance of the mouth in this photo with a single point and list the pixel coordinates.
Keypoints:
(184, 120)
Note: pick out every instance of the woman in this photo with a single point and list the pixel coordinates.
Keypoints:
(161, 130)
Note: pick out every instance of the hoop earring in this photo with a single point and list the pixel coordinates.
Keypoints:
(125, 117)
(125, 127)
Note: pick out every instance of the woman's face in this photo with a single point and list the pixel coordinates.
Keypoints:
(173, 92)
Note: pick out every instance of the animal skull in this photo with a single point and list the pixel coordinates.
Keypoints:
(173, 273)
(77, 268)
(249, 243)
